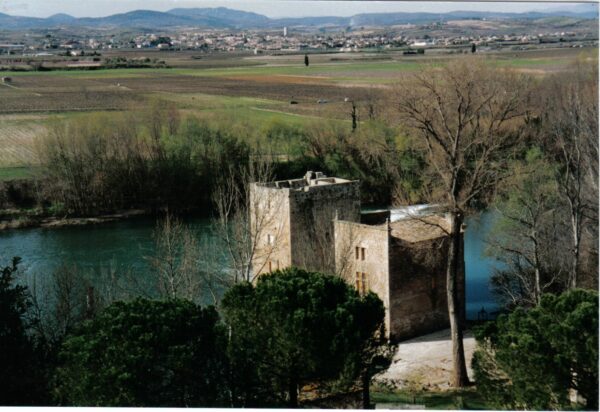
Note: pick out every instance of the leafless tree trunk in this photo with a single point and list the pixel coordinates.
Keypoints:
(527, 231)
(455, 310)
(59, 303)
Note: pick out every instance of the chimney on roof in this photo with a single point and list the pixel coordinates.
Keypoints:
(308, 177)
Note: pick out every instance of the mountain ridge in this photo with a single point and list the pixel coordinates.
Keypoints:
(223, 18)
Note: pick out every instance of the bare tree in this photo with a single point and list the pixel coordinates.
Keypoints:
(527, 233)
(61, 302)
(571, 114)
(177, 262)
(249, 221)
(349, 237)
(466, 116)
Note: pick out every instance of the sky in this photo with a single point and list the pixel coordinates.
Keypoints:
(270, 8)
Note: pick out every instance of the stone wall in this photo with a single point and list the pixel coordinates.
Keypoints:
(418, 303)
(312, 212)
(270, 228)
(317, 227)
(349, 261)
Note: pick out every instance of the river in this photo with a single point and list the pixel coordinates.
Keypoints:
(124, 246)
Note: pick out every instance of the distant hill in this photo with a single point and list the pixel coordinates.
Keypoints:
(225, 16)
(222, 17)
(61, 18)
(17, 22)
(146, 19)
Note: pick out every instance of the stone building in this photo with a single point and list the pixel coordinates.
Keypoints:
(292, 221)
(400, 254)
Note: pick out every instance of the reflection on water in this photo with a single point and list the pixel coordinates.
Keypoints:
(123, 247)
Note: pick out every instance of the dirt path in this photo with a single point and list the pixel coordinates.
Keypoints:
(20, 89)
(425, 362)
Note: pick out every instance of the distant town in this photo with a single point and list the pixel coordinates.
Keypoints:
(285, 39)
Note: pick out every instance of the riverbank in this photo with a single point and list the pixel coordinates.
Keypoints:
(19, 219)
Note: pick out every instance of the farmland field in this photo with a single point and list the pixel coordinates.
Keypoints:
(254, 89)
(17, 140)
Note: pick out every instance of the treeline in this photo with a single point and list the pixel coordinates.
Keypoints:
(149, 160)
(157, 159)
(119, 62)
(293, 338)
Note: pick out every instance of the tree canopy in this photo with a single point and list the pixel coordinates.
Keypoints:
(145, 353)
(534, 359)
(296, 328)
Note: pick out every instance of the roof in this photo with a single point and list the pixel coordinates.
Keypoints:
(420, 228)
(311, 179)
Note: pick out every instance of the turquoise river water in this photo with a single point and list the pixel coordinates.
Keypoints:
(126, 245)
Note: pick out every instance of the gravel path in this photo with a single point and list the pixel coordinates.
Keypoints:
(425, 362)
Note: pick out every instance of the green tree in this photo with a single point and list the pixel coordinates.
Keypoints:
(144, 353)
(533, 359)
(473, 48)
(306, 60)
(296, 328)
(382, 158)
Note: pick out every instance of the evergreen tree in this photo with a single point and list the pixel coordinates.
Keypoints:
(145, 353)
(296, 328)
(21, 377)
(534, 359)
(306, 60)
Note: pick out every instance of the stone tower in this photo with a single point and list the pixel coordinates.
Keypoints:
(292, 221)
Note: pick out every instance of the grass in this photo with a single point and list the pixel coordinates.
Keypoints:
(14, 173)
(17, 142)
(257, 118)
(254, 112)
(517, 62)
(467, 399)
(207, 101)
